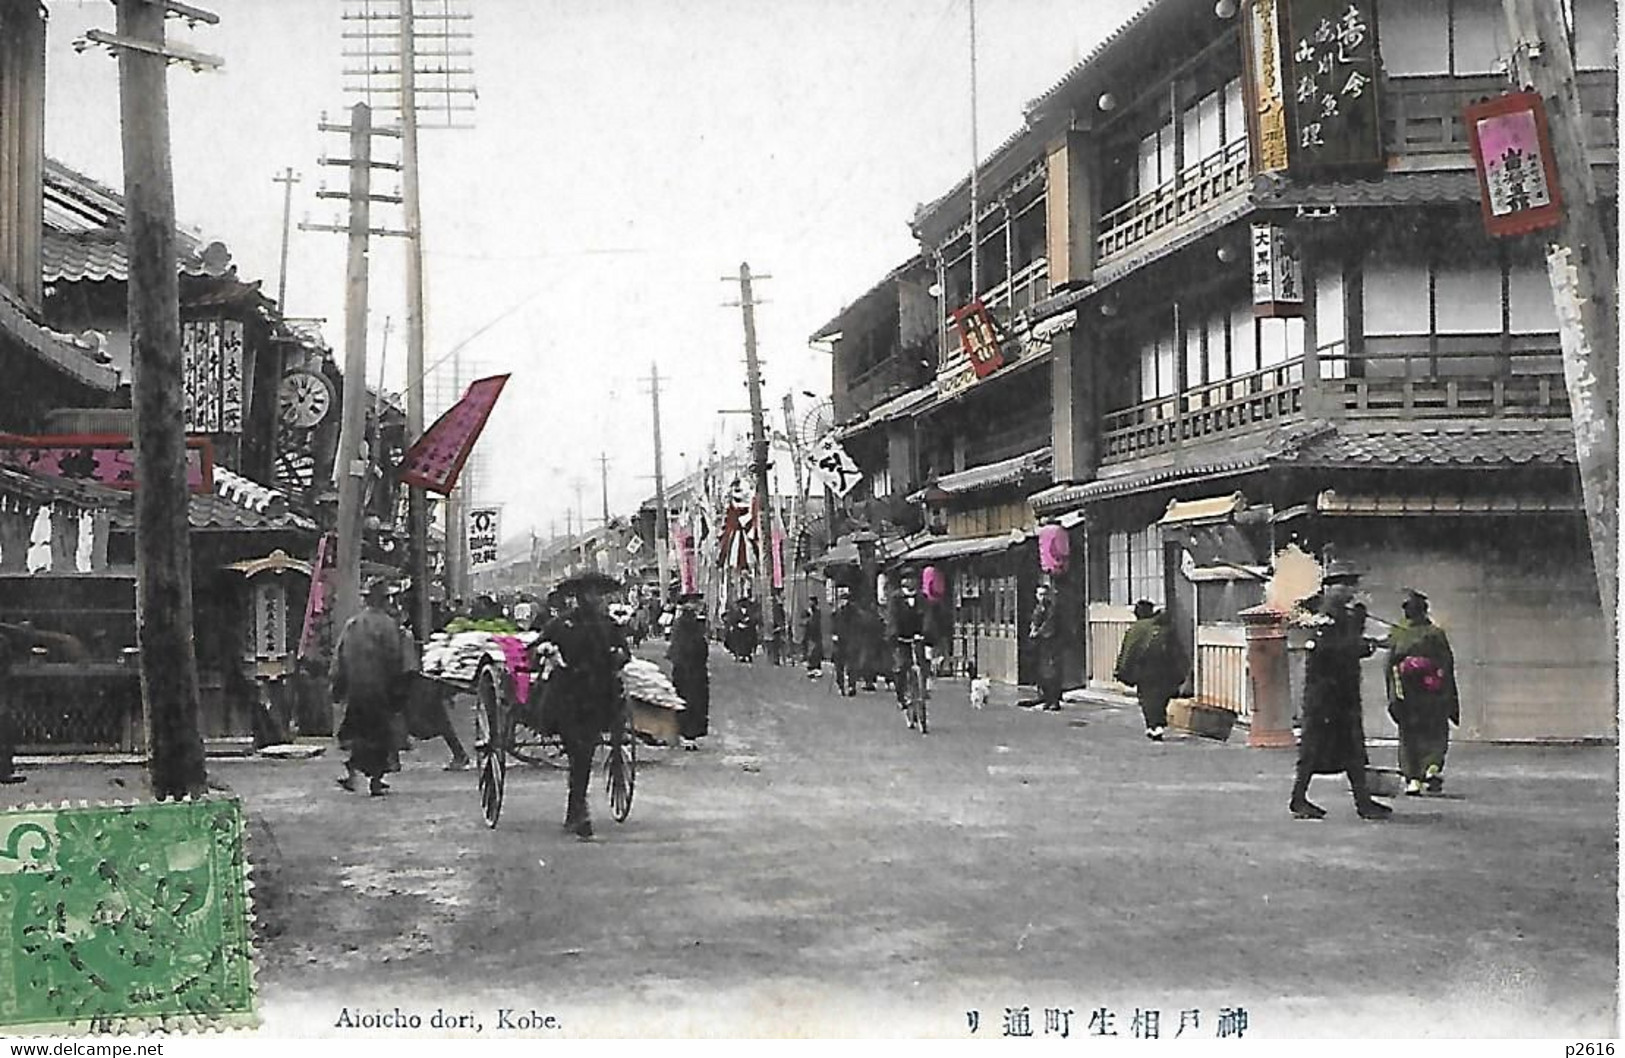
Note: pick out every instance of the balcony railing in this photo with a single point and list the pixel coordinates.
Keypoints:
(1244, 402)
(1021, 291)
(1198, 189)
(1422, 115)
(1458, 379)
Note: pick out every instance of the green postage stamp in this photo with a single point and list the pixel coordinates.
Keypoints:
(125, 918)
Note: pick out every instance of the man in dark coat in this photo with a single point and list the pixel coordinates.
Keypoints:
(584, 691)
(367, 666)
(1422, 695)
(690, 669)
(906, 622)
(1043, 630)
(1151, 662)
(812, 638)
(842, 646)
(1333, 733)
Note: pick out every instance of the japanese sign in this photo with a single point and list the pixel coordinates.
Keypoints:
(1517, 172)
(830, 464)
(1267, 103)
(1277, 272)
(484, 534)
(107, 460)
(1333, 107)
(270, 619)
(212, 375)
(979, 338)
(436, 459)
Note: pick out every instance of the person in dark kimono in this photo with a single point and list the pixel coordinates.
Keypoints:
(1151, 662)
(812, 638)
(907, 620)
(842, 647)
(690, 670)
(869, 653)
(367, 665)
(1333, 735)
(1043, 631)
(1422, 695)
(584, 690)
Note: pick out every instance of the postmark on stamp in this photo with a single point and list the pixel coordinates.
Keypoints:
(125, 918)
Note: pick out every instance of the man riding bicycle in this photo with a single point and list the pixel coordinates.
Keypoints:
(911, 655)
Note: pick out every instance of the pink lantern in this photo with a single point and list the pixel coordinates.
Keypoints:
(933, 585)
(1054, 549)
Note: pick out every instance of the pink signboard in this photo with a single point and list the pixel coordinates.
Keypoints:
(437, 458)
(107, 460)
(1517, 173)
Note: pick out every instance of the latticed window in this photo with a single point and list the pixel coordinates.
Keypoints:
(1134, 566)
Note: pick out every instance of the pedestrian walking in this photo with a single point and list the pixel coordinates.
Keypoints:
(689, 654)
(842, 648)
(1151, 662)
(776, 641)
(587, 691)
(366, 672)
(869, 653)
(1422, 695)
(1332, 735)
(812, 639)
(1043, 632)
(423, 701)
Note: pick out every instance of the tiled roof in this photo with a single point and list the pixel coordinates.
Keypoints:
(38, 489)
(84, 231)
(1445, 444)
(936, 550)
(990, 475)
(70, 356)
(236, 503)
(1393, 189)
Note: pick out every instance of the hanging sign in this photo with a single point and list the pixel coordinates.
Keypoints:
(484, 533)
(979, 338)
(270, 619)
(831, 465)
(436, 459)
(1332, 46)
(1266, 95)
(98, 459)
(1277, 272)
(212, 375)
(1517, 171)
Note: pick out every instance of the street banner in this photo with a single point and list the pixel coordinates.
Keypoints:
(316, 602)
(107, 460)
(740, 545)
(1277, 272)
(687, 574)
(1517, 171)
(436, 459)
(833, 468)
(1332, 48)
(484, 535)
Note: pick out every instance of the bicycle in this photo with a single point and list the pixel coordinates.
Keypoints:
(913, 680)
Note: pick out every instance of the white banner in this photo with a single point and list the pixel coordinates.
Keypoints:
(833, 468)
(484, 534)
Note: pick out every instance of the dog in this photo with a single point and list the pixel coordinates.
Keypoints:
(979, 688)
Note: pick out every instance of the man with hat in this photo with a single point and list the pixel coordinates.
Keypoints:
(367, 665)
(1333, 734)
(1422, 695)
(842, 644)
(689, 654)
(1151, 662)
(584, 692)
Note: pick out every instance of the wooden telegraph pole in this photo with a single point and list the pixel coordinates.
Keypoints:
(287, 178)
(759, 452)
(1584, 286)
(661, 514)
(169, 683)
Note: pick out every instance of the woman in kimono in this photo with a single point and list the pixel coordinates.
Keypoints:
(1422, 696)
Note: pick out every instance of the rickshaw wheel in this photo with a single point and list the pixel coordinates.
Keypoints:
(492, 732)
(621, 768)
(529, 743)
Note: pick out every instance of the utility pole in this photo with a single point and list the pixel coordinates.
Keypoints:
(287, 178)
(164, 615)
(386, 43)
(759, 453)
(603, 481)
(351, 468)
(661, 514)
(793, 534)
(1583, 281)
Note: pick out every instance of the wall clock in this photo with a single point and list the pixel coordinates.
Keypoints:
(303, 399)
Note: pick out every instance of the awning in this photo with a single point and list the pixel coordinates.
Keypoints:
(31, 490)
(1198, 512)
(1010, 471)
(937, 550)
(845, 553)
(1334, 504)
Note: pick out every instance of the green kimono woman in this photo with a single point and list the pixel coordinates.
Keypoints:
(1422, 696)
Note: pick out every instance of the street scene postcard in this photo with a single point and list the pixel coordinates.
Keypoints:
(1008, 520)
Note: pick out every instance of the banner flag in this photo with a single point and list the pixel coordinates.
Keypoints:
(436, 459)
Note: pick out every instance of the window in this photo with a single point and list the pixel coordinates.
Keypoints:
(1157, 367)
(1478, 36)
(1467, 297)
(1331, 337)
(1414, 36)
(1462, 297)
(1279, 340)
(1235, 114)
(1396, 298)
(1135, 566)
(1218, 353)
(1529, 300)
(1595, 35)
(1243, 341)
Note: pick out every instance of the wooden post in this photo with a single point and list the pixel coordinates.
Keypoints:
(759, 455)
(351, 469)
(1583, 282)
(661, 514)
(169, 683)
(417, 507)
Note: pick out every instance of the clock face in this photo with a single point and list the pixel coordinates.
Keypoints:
(304, 399)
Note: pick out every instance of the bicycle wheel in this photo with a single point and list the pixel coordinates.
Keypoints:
(621, 769)
(492, 731)
(919, 697)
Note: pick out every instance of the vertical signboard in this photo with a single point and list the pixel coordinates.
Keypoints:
(212, 375)
(1277, 269)
(484, 533)
(979, 338)
(1332, 48)
(1517, 171)
(1266, 93)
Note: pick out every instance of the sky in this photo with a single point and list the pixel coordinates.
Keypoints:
(627, 156)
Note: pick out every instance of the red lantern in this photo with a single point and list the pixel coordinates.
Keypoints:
(933, 585)
(1054, 549)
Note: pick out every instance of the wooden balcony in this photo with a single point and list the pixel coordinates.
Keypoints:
(1245, 402)
(1212, 180)
(1422, 115)
(1022, 291)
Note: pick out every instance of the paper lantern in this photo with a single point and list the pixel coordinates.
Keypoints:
(932, 584)
(1054, 549)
